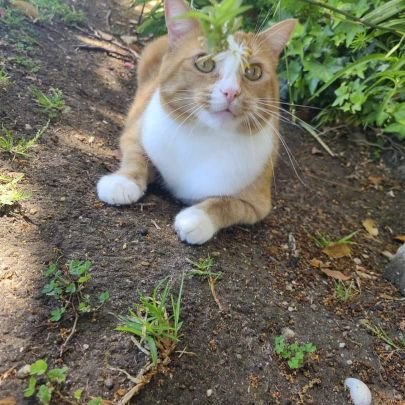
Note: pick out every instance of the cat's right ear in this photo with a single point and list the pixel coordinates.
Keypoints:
(178, 27)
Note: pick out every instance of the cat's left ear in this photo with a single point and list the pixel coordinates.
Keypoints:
(278, 35)
(178, 27)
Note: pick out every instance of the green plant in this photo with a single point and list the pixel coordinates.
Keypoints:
(218, 20)
(342, 292)
(10, 193)
(53, 104)
(293, 352)
(20, 147)
(13, 19)
(380, 333)
(27, 63)
(50, 9)
(202, 268)
(4, 79)
(323, 241)
(44, 382)
(66, 285)
(155, 321)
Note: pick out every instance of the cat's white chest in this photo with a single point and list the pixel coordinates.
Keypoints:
(197, 162)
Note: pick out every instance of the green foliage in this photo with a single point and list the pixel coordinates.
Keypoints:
(323, 241)
(293, 353)
(4, 79)
(49, 380)
(66, 285)
(50, 9)
(10, 193)
(95, 401)
(202, 268)
(342, 292)
(27, 63)
(53, 104)
(218, 20)
(20, 147)
(152, 322)
(13, 19)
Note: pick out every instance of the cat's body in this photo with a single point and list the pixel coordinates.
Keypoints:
(196, 129)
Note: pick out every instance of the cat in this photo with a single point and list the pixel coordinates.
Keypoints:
(208, 125)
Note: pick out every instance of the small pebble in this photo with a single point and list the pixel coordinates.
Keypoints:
(342, 345)
(287, 333)
(349, 362)
(109, 383)
(209, 392)
(24, 371)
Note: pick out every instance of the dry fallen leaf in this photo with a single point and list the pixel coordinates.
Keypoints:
(375, 180)
(337, 250)
(370, 226)
(401, 238)
(338, 275)
(26, 8)
(315, 263)
(8, 401)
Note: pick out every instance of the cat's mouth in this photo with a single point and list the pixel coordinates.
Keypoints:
(225, 114)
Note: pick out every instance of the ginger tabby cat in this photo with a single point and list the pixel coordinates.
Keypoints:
(207, 125)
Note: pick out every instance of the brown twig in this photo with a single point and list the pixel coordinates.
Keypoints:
(101, 49)
(211, 282)
(72, 331)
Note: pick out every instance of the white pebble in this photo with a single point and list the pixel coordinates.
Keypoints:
(209, 392)
(342, 345)
(359, 392)
(349, 362)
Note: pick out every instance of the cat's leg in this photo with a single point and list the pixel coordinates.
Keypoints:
(129, 183)
(198, 223)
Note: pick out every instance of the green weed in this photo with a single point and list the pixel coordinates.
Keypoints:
(44, 382)
(4, 79)
(52, 105)
(323, 241)
(21, 147)
(380, 333)
(10, 193)
(155, 321)
(344, 293)
(293, 353)
(202, 268)
(66, 285)
(50, 9)
(27, 63)
(13, 19)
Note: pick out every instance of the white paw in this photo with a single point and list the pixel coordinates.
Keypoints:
(194, 226)
(115, 189)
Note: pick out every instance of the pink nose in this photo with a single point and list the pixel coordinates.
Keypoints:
(230, 94)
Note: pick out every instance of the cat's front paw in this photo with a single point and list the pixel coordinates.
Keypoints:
(194, 226)
(116, 189)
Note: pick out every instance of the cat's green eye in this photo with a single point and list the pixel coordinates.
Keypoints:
(204, 63)
(253, 72)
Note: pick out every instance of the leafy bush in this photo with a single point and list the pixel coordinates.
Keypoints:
(346, 57)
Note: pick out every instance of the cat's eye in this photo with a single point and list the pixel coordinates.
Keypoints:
(253, 72)
(204, 63)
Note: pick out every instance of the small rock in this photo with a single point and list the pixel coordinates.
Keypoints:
(85, 346)
(359, 392)
(109, 383)
(239, 356)
(342, 345)
(27, 127)
(395, 271)
(349, 362)
(24, 371)
(209, 392)
(287, 333)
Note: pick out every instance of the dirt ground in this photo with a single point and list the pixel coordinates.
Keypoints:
(266, 285)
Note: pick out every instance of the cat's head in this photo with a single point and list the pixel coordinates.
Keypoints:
(237, 89)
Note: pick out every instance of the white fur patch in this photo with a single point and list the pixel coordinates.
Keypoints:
(115, 189)
(197, 162)
(194, 226)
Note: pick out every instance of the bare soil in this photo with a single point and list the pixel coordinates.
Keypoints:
(266, 286)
